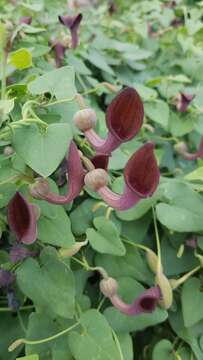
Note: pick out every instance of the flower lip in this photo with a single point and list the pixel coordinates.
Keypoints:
(125, 114)
(141, 172)
(22, 219)
(148, 304)
(100, 161)
(72, 23)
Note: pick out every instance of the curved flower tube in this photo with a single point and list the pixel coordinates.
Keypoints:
(22, 219)
(72, 23)
(146, 302)
(75, 180)
(6, 278)
(124, 118)
(141, 176)
(182, 149)
(59, 53)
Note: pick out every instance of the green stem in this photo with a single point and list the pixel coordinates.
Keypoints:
(3, 74)
(18, 342)
(157, 241)
(145, 248)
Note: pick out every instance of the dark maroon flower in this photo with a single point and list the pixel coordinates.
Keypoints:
(146, 302)
(59, 53)
(22, 219)
(72, 23)
(19, 253)
(100, 161)
(124, 118)
(183, 101)
(25, 20)
(111, 7)
(75, 181)
(182, 149)
(6, 278)
(141, 176)
(176, 22)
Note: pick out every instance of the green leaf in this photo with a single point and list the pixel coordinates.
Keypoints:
(129, 289)
(6, 106)
(106, 239)
(95, 341)
(29, 357)
(158, 111)
(43, 152)
(178, 219)
(192, 299)
(59, 82)
(197, 174)
(57, 229)
(131, 264)
(50, 284)
(41, 326)
(21, 59)
(98, 60)
(163, 350)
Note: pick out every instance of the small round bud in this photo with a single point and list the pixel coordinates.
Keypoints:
(40, 188)
(85, 119)
(96, 179)
(8, 150)
(166, 291)
(181, 148)
(108, 287)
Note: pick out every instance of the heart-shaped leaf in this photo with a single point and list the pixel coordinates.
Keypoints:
(50, 284)
(106, 239)
(43, 152)
(192, 300)
(59, 82)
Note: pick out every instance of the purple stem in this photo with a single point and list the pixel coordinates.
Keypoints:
(145, 303)
(119, 202)
(104, 146)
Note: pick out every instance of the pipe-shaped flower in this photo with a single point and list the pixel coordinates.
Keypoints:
(182, 149)
(6, 278)
(72, 23)
(75, 180)
(141, 176)
(59, 53)
(124, 119)
(22, 219)
(146, 302)
(183, 101)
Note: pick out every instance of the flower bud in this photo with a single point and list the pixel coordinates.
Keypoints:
(85, 119)
(152, 260)
(166, 290)
(96, 179)
(181, 148)
(108, 287)
(8, 150)
(40, 188)
(73, 249)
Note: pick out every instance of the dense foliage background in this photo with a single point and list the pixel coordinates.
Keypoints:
(156, 47)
